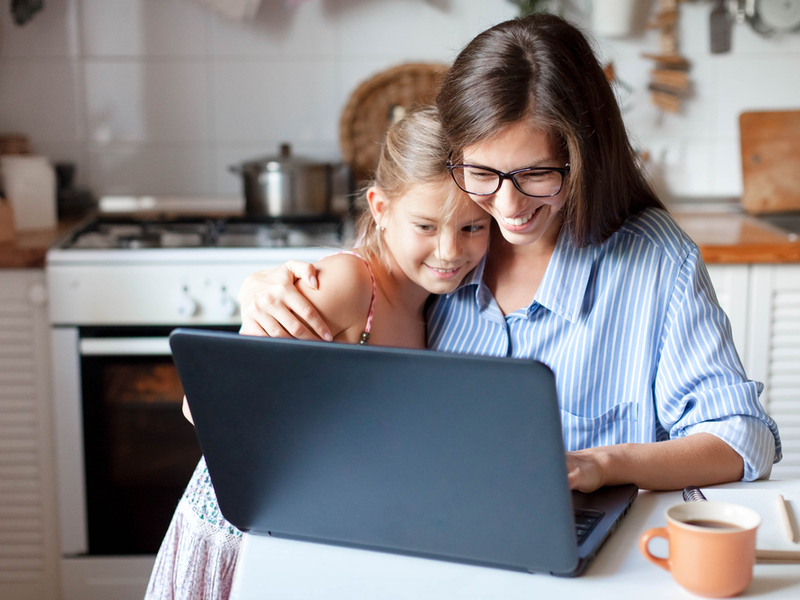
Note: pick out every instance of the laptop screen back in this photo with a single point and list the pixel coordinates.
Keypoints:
(447, 456)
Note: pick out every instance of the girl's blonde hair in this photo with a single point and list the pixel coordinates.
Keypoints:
(414, 153)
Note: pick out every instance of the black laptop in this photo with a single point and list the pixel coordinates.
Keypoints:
(444, 456)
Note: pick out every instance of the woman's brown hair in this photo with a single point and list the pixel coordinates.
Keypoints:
(542, 69)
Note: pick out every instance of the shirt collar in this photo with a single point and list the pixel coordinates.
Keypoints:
(483, 296)
(563, 288)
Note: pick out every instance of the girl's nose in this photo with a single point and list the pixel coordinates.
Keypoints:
(447, 248)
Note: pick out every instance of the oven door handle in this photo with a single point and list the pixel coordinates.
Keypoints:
(127, 346)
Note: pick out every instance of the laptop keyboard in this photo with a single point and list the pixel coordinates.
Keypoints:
(585, 522)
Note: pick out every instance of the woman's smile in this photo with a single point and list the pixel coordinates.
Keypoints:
(517, 223)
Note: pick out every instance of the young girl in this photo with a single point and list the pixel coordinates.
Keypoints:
(420, 236)
(587, 272)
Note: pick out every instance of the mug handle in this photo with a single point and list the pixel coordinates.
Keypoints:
(644, 541)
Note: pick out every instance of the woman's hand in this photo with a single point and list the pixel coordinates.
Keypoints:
(271, 305)
(585, 469)
(697, 459)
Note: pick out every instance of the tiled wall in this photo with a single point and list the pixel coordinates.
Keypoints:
(160, 96)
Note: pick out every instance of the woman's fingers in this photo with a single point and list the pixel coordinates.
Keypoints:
(303, 271)
(257, 283)
(261, 325)
(292, 314)
(583, 470)
(302, 317)
(272, 306)
(258, 322)
(277, 320)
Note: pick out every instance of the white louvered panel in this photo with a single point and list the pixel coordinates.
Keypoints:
(731, 286)
(20, 513)
(28, 551)
(783, 381)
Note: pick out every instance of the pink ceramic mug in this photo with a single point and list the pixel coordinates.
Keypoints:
(712, 547)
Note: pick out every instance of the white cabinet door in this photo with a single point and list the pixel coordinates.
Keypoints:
(28, 526)
(774, 353)
(731, 282)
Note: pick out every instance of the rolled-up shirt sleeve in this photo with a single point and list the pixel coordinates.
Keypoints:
(700, 384)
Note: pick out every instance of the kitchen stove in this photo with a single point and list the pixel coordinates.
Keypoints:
(186, 271)
(117, 285)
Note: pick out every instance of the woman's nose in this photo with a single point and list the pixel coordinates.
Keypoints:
(508, 199)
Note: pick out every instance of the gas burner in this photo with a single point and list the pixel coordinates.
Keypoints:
(120, 234)
(279, 235)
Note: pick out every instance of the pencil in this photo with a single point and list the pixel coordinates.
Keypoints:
(783, 508)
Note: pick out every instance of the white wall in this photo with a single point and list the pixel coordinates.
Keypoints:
(160, 96)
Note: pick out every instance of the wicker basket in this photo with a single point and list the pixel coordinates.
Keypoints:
(376, 103)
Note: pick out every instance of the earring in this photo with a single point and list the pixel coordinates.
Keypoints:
(379, 228)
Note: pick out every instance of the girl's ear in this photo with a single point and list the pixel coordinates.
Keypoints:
(378, 204)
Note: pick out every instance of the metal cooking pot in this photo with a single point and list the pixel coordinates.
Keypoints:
(286, 185)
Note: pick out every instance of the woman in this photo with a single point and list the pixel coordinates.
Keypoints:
(586, 272)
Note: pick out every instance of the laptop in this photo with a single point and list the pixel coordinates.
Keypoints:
(445, 456)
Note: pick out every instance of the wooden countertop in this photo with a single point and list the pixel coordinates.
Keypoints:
(738, 238)
(28, 250)
(722, 237)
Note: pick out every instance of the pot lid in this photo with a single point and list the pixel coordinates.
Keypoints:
(285, 161)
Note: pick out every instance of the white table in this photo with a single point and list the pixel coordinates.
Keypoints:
(286, 569)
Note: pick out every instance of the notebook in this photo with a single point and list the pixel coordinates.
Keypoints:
(443, 456)
(772, 539)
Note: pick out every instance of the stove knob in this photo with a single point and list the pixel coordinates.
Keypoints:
(187, 306)
(227, 305)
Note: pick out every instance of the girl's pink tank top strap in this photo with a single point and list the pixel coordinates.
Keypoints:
(365, 334)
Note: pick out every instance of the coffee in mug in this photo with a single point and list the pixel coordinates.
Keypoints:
(712, 547)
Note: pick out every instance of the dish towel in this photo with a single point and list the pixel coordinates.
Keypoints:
(235, 10)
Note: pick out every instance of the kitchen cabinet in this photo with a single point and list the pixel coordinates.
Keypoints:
(773, 352)
(763, 304)
(28, 523)
(731, 282)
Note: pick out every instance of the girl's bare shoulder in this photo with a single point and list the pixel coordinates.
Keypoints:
(344, 294)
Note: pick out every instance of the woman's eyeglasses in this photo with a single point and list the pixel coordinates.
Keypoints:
(538, 182)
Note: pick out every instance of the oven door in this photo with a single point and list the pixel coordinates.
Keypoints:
(125, 452)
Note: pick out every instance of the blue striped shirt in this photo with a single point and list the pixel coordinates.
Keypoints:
(632, 329)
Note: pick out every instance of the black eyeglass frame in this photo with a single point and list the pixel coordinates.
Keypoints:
(564, 171)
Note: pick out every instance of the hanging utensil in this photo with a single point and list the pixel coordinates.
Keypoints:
(721, 24)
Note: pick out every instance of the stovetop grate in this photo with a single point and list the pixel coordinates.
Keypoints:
(233, 232)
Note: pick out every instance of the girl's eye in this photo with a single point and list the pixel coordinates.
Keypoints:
(425, 228)
(472, 228)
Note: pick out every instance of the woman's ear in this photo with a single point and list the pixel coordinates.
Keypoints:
(378, 204)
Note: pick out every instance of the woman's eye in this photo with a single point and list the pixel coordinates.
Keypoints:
(539, 176)
(534, 175)
(480, 175)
